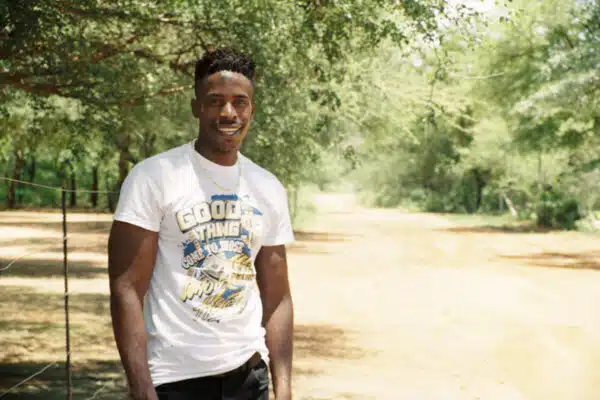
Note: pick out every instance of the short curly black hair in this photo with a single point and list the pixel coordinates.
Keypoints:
(223, 59)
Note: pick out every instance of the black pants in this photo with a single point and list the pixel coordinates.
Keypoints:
(250, 383)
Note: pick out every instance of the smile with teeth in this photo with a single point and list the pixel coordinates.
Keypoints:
(229, 130)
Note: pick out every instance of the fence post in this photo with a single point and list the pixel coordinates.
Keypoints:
(66, 278)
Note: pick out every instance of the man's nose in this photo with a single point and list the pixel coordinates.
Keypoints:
(227, 111)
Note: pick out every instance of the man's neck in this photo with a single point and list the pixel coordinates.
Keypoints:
(226, 159)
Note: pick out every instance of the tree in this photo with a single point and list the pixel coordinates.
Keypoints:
(125, 62)
(548, 92)
(549, 89)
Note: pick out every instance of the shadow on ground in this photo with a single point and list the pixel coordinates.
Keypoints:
(587, 260)
(324, 341)
(22, 300)
(102, 379)
(105, 379)
(54, 225)
(517, 228)
(306, 236)
(88, 242)
(45, 268)
(32, 335)
(31, 253)
(318, 242)
(308, 249)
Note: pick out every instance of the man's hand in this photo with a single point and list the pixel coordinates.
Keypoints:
(131, 256)
(278, 315)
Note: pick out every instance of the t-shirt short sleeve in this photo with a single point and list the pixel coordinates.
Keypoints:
(139, 201)
(280, 231)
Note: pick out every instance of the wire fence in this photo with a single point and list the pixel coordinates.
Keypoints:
(37, 381)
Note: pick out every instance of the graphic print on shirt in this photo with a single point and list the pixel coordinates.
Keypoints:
(217, 255)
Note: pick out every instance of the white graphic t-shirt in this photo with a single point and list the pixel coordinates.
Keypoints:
(203, 310)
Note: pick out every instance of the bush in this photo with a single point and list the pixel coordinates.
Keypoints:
(449, 200)
(556, 210)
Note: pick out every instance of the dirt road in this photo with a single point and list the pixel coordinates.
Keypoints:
(430, 311)
(393, 305)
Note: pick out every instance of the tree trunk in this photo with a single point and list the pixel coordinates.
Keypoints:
(27, 174)
(124, 158)
(22, 178)
(11, 198)
(94, 194)
(540, 173)
(111, 202)
(31, 170)
(480, 182)
(123, 167)
(73, 187)
(510, 205)
(148, 145)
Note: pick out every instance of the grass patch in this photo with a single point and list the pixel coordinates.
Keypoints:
(481, 220)
(506, 223)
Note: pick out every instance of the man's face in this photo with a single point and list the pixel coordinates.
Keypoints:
(225, 110)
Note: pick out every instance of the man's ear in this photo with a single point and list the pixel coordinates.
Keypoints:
(253, 109)
(196, 106)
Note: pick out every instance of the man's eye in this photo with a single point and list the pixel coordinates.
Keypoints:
(240, 102)
(215, 101)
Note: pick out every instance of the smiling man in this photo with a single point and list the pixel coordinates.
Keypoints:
(200, 298)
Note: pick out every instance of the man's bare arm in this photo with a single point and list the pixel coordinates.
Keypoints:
(131, 256)
(278, 315)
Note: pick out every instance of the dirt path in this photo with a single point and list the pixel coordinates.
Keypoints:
(389, 305)
(436, 312)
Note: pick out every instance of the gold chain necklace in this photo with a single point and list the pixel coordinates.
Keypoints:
(224, 189)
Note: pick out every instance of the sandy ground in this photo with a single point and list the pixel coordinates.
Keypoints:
(389, 304)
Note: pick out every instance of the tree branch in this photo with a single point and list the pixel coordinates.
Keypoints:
(39, 89)
(477, 77)
(10, 78)
(162, 92)
(97, 13)
(109, 50)
(17, 78)
(46, 90)
(184, 68)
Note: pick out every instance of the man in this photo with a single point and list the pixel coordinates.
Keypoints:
(200, 298)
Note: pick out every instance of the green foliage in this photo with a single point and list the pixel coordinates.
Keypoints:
(484, 131)
(549, 91)
(556, 210)
(418, 126)
(127, 68)
(421, 104)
